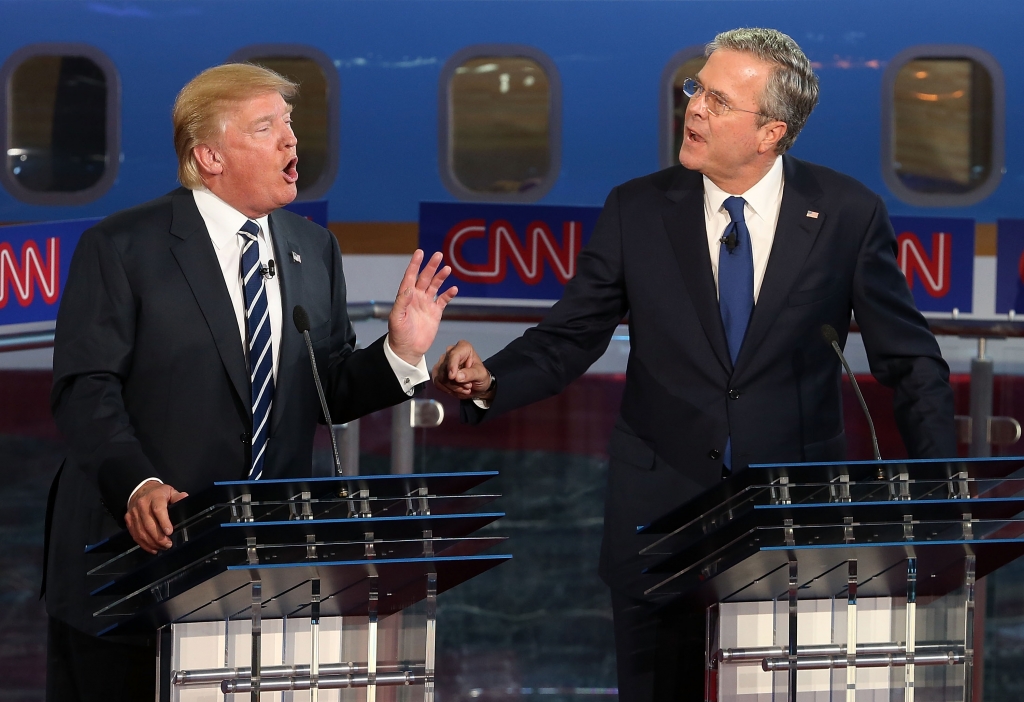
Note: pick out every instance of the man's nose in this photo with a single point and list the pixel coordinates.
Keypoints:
(697, 105)
(288, 137)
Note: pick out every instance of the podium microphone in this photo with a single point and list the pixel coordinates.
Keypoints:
(301, 319)
(832, 338)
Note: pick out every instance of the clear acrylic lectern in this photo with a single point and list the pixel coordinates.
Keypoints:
(834, 581)
(296, 565)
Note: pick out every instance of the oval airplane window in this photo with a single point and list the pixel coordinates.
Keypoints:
(315, 115)
(60, 122)
(685, 64)
(500, 124)
(944, 126)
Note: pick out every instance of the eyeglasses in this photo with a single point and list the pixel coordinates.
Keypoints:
(715, 104)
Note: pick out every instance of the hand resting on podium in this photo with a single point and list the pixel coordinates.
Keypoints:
(147, 518)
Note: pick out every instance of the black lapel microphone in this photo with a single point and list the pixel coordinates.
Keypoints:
(832, 338)
(301, 319)
(268, 270)
(730, 240)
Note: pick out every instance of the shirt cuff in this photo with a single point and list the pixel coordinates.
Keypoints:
(408, 376)
(482, 404)
(147, 480)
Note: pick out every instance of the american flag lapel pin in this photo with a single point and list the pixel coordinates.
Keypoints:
(298, 259)
(810, 213)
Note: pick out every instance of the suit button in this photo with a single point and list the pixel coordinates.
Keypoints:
(714, 454)
(734, 394)
(245, 438)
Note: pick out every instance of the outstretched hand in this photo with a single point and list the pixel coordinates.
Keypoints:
(147, 518)
(416, 314)
(460, 373)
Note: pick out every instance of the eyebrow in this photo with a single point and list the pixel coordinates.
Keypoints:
(717, 93)
(269, 118)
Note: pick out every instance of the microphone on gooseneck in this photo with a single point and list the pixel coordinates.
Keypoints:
(301, 319)
(832, 338)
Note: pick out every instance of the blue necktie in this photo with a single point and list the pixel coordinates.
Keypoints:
(261, 351)
(735, 285)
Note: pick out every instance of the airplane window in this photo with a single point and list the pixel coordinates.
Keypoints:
(946, 141)
(61, 129)
(686, 63)
(315, 113)
(501, 127)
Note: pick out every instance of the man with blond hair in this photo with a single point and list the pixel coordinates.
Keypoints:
(728, 266)
(176, 363)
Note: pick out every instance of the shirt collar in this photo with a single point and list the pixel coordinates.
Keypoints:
(763, 197)
(222, 220)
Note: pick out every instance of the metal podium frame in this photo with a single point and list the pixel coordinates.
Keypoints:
(366, 546)
(846, 531)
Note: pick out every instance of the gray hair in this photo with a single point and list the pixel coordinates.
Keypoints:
(792, 89)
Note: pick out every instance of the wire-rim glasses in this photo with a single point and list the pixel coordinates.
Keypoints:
(714, 104)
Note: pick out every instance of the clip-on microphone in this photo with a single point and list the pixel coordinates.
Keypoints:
(730, 239)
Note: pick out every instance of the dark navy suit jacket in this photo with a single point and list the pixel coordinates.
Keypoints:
(150, 376)
(781, 402)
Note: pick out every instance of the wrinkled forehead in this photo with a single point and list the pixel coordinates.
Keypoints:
(735, 75)
(248, 111)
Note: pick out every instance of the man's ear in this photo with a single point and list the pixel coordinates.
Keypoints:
(774, 131)
(208, 159)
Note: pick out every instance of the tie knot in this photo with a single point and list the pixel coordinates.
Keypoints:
(734, 206)
(250, 229)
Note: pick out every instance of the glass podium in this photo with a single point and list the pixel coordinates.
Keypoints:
(840, 580)
(306, 561)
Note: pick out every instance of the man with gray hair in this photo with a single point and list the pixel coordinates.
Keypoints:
(728, 266)
(175, 362)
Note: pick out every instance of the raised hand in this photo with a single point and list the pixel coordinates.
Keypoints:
(460, 373)
(416, 315)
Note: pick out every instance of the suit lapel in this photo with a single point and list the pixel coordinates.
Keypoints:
(198, 261)
(293, 348)
(684, 224)
(795, 234)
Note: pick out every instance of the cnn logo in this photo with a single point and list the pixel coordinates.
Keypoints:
(932, 270)
(504, 248)
(21, 277)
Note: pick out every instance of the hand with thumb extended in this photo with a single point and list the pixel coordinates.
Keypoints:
(416, 315)
(460, 373)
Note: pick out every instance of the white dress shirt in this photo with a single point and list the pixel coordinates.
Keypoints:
(223, 222)
(761, 213)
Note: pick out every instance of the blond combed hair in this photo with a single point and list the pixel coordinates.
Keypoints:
(202, 105)
(792, 89)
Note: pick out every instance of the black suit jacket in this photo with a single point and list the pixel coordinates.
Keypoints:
(648, 257)
(150, 375)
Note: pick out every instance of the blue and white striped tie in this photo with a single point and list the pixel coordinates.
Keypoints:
(261, 350)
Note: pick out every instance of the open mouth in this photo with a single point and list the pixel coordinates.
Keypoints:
(693, 136)
(291, 173)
